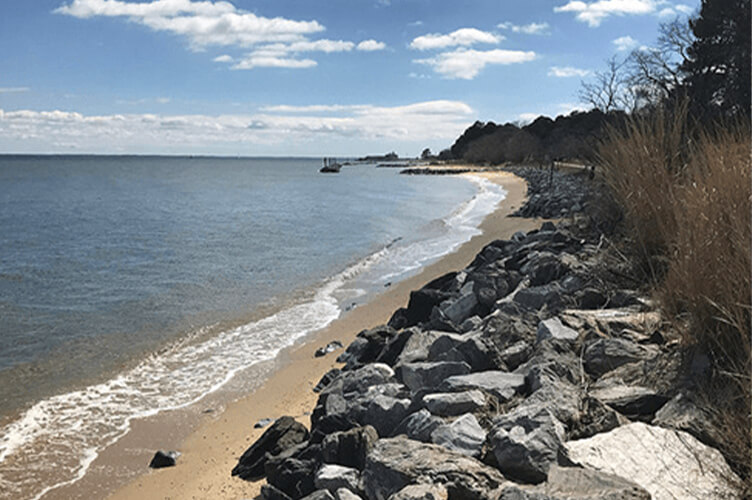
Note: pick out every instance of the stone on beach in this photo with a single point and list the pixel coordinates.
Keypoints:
(285, 433)
(163, 459)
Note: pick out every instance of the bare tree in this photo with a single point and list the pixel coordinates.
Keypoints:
(653, 73)
(608, 90)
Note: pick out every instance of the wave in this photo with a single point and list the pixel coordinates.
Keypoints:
(54, 442)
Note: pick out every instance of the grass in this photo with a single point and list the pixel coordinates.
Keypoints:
(685, 194)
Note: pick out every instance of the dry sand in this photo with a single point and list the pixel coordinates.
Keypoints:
(213, 442)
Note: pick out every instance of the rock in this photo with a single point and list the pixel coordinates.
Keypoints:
(604, 355)
(293, 476)
(367, 346)
(471, 323)
(631, 400)
(349, 448)
(327, 379)
(571, 483)
(418, 308)
(595, 417)
(430, 374)
(283, 434)
(591, 298)
(469, 348)
(345, 494)
(669, 464)
(450, 404)
(419, 426)
(421, 492)
(543, 268)
(385, 413)
(269, 492)
(515, 354)
(464, 435)
(163, 459)
(395, 463)
(526, 442)
(361, 379)
(502, 385)
(332, 477)
(263, 423)
(553, 328)
(535, 297)
(683, 414)
(416, 346)
(330, 347)
(458, 310)
(319, 495)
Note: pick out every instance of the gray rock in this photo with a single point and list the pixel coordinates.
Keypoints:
(293, 475)
(464, 435)
(416, 345)
(361, 379)
(515, 354)
(269, 492)
(458, 310)
(419, 426)
(669, 464)
(330, 347)
(398, 462)
(595, 417)
(263, 423)
(553, 328)
(283, 434)
(604, 355)
(535, 297)
(429, 375)
(450, 404)
(527, 442)
(421, 492)
(471, 323)
(345, 494)
(333, 477)
(683, 414)
(585, 484)
(349, 448)
(385, 413)
(319, 495)
(469, 348)
(502, 385)
(327, 379)
(367, 346)
(630, 400)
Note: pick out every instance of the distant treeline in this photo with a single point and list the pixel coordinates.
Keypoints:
(567, 137)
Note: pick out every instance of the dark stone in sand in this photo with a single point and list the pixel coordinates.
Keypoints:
(263, 423)
(163, 459)
(283, 434)
(330, 347)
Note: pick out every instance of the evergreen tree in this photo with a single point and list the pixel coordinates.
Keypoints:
(718, 64)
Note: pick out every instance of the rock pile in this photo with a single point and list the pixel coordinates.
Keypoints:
(516, 378)
(552, 193)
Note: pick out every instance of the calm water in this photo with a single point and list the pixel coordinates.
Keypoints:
(129, 285)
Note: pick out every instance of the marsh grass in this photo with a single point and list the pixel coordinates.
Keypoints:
(684, 190)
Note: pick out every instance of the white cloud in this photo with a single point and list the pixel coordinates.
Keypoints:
(415, 23)
(527, 29)
(676, 10)
(466, 64)
(463, 37)
(624, 43)
(528, 117)
(207, 23)
(567, 72)
(274, 125)
(13, 90)
(684, 9)
(594, 13)
(371, 45)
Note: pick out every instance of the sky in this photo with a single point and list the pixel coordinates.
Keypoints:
(298, 77)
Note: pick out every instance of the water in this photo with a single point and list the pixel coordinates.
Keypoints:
(131, 285)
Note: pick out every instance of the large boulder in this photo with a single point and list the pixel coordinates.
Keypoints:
(502, 385)
(421, 492)
(285, 433)
(526, 442)
(349, 448)
(419, 426)
(535, 297)
(464, 435)
(367, 346)
(553, 328)
(573, 483)
(332, 477)
(397, 462)
(384, 413)
(429, 375)
(450, 404)
(605, 355)
(634, 401)
(669, 464)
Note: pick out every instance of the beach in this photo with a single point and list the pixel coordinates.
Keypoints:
(212, 435)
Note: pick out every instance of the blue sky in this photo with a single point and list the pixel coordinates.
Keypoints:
(297, 77)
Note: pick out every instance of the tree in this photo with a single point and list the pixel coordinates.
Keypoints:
(426, 154)
(718, 61)
(609, 90)
(655, 73)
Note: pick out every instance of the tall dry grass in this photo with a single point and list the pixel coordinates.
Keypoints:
(685, 193)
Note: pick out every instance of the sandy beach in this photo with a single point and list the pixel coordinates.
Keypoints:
(210, 442)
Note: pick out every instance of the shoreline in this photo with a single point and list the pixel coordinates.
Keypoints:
(210, 437)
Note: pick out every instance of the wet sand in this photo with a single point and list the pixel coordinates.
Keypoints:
(213, 434)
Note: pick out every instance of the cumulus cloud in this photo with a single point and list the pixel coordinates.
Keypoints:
(466, 64)
(463, 37)
(527, 29)
(594, 13)
(567, 72)
(423, 121)
(207, 23)
(624, 43)
(371, 45)
(676, 10)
